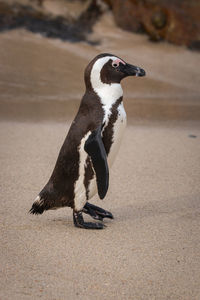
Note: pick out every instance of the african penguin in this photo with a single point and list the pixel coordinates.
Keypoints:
(93, 140)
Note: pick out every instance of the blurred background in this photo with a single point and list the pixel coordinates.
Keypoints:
(46, 44)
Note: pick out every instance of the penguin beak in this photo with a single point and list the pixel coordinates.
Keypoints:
(130, 70)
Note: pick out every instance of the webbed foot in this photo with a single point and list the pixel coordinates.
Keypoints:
(96, 212)
(79, 222)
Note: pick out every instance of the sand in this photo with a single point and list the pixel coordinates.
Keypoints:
(151, 250)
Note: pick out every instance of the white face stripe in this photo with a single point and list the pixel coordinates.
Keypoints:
(96, 71)
(108, 93)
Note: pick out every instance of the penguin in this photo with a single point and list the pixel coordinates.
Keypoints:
(91, 145)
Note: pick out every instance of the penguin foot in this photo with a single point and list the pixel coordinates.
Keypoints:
(96, 212)
(79, 222)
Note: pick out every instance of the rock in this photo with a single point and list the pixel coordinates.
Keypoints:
(62, 19)
(177, 21)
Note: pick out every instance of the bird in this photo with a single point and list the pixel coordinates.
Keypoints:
(91, 144)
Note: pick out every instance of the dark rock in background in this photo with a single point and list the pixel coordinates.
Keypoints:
(177, 21)
(67, 20)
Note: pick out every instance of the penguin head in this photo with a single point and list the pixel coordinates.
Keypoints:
(107, 69)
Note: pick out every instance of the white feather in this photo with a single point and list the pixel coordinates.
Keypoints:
(119, 127)
(79, 188)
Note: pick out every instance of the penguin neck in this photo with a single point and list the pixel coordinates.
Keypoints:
(108, 93)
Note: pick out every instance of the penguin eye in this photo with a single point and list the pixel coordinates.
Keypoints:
(115, 65)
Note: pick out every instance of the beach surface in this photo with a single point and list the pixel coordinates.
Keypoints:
(151, 250)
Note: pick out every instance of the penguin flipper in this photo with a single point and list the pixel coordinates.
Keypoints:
(95, 148)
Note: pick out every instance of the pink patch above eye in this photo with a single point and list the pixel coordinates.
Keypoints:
(117, 61)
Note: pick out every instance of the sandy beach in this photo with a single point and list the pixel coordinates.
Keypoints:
(151, 250)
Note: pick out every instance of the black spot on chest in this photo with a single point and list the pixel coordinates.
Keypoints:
(108, 132)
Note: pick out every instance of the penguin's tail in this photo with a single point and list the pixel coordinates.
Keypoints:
(38, 206)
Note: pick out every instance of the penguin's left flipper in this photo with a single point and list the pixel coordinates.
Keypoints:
(95, 148)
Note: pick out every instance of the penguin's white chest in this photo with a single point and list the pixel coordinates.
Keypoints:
(118, 131)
